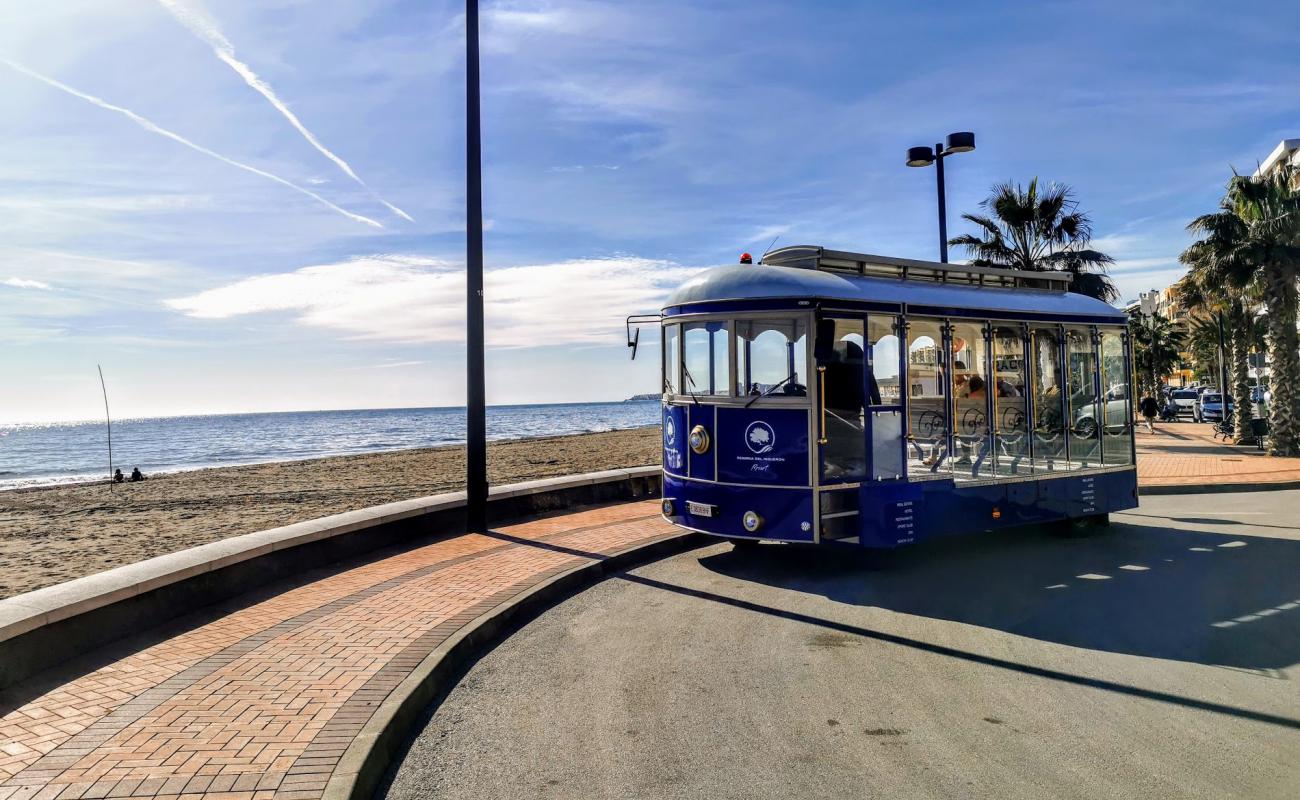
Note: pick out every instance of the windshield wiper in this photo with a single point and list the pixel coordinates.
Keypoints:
(687, 373)
(770, 389)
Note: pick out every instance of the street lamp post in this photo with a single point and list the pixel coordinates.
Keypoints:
(476, 482)
(960, 142)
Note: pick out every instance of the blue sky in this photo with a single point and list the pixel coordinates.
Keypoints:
(214, 256)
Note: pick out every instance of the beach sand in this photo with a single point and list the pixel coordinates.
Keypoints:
(55, 534)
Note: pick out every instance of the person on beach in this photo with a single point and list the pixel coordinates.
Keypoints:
(118, 477)
(1149, 409)
(136, 475)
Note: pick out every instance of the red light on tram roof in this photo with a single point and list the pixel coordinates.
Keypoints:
(746, 258)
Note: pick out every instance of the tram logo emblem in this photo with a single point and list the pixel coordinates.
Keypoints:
(760, 438)
(670, 433)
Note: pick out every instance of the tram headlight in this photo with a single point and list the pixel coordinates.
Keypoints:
(699, 440)
(667, 507)
(751, 521)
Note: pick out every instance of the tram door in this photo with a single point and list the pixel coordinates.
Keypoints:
(842, 400)
(859, 417)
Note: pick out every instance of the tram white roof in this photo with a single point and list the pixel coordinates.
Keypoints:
(806, 281)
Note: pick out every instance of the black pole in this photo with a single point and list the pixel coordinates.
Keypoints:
(476, 482)
(943, 204)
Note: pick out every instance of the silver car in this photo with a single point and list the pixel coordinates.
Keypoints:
(1184, 401)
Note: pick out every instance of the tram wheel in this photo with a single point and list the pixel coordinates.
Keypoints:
(1079, 527)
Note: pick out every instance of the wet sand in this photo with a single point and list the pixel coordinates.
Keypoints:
(55, 534)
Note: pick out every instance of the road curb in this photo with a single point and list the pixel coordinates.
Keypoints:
(1216, 488)
(371, 753)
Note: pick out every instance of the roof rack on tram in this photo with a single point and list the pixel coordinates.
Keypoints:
(803, 256)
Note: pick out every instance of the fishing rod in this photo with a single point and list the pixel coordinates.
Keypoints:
(109, 420)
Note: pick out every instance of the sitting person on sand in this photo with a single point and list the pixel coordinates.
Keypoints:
(136, 475)
(118, 477)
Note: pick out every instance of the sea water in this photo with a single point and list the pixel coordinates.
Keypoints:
(40, 454)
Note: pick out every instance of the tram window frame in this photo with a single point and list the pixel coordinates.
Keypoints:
(1119, 335)
(716, 379)
(1048, 456)
(670, 364)
(802, 322)
(842, 395)
(1082, 340)
(930, 456)
(892, 328)
(968, 424)
(1012, 426)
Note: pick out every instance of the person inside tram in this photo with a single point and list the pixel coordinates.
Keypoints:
(1007, 388)
(975, 387)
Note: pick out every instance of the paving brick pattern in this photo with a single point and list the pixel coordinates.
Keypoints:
(263, 702)
(1186, 453)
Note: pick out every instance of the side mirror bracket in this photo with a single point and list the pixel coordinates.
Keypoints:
(633, 327)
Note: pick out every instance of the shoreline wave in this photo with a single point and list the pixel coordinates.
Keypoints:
(31, 483)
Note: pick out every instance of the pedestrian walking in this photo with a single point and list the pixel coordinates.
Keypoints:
(1149, 408)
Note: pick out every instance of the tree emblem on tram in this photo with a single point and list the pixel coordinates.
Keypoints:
(760, 438)
(670, 433)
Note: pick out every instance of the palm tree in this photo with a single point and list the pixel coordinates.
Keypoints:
(1222, 282)
(1156, 345)
(1038, 230)
(1269, 210)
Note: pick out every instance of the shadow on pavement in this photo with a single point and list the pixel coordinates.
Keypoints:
(1160, 592)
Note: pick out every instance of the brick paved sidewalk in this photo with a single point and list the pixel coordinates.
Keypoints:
(262, 702)
(1186, 453)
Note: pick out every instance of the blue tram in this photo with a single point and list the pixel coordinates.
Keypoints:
(822, 396)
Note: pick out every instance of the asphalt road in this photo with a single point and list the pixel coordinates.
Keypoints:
(1158, 659)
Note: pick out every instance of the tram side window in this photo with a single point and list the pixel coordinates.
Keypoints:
(927, 419)
(1117, 434)
(970, 391)
(1049, 417)
(772, 357)
(1010, 396)
(1085, 423)
(671, 360)
(882, 378)
(705, 346)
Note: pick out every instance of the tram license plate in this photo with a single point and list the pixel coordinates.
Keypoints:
(700, 509)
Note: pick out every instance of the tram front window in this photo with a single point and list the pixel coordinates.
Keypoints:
(672, 359)
(772, 357)
(705, 346)
(927, 418)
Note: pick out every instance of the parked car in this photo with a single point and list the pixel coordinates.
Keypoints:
(1116, 411)
(1185, 401)
(1209, 407)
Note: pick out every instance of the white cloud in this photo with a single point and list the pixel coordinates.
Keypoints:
(24, 283)
(415, 299)
(196, 19)
(153, 127)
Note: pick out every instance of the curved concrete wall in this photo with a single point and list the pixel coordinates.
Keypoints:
(45, 627)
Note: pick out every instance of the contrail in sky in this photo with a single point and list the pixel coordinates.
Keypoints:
(194, 17)
(151, 126)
